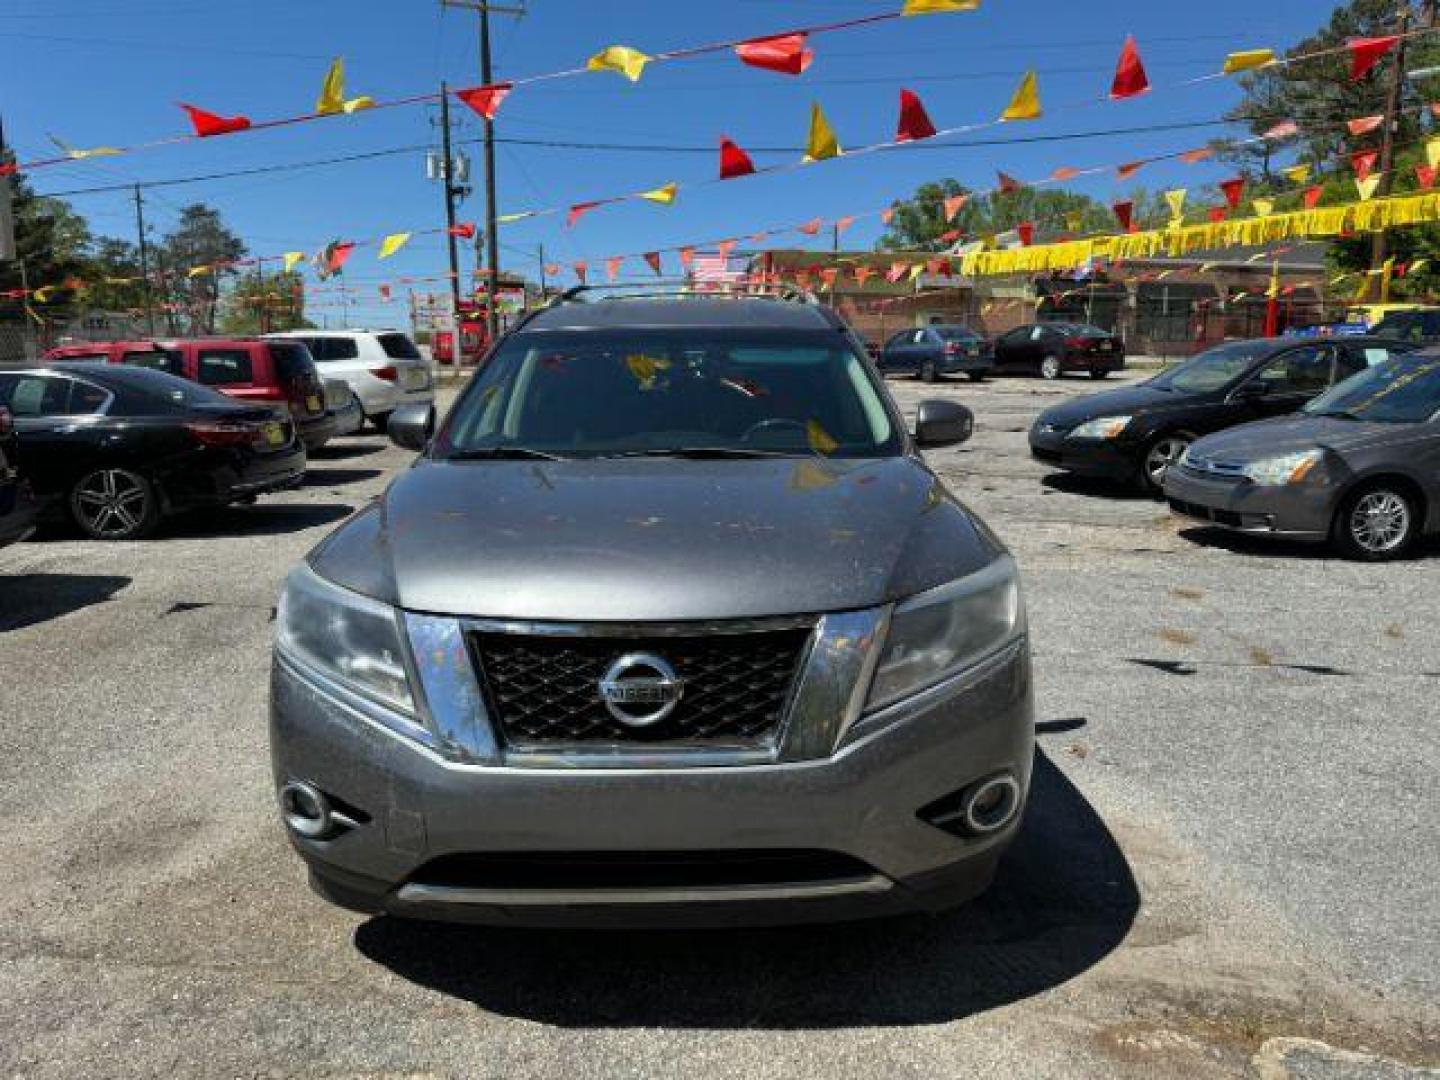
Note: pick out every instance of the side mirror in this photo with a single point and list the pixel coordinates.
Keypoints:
(412, 425)
(943, 423)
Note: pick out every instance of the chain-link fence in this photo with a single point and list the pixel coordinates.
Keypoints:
(18, 344)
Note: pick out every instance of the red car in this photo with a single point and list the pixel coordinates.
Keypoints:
(244, 368)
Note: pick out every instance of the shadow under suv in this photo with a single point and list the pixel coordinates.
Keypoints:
(669, 624)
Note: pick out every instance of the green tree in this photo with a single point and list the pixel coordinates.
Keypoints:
(113, 275)
(52, 242)
(200, 239)
(256, 305)
(919, 222)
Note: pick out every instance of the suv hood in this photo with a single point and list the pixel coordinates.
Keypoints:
(656, 539)
(1288, 434)
(1126, 401)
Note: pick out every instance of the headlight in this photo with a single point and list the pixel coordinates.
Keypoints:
(1279, 471)
(1104, 427)
(349, 637)
(946, 630)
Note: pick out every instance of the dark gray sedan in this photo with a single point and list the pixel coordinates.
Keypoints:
(1359, 466)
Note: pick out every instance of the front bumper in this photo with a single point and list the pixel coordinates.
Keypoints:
(316, 431)
(1297, 511)
(1086, 457)
(859, 805)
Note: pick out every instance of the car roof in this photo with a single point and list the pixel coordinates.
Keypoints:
(123, 374)
(689, 312)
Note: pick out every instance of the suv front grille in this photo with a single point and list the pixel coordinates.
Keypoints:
(543, 690)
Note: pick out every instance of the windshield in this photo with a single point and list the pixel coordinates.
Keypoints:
(1403, 391)
(956, 333)
(1080, 330)
(1213, 368)
(664, 391)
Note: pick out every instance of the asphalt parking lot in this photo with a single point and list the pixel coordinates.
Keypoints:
(1231, 864)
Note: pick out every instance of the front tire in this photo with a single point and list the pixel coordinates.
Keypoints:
(380, 421)
(1377, 523)
(1051, 368)
(1161, 456)
(1099, 372)
(976, 376)
(115, 504)
(928, 372)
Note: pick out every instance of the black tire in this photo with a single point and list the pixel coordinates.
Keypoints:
(976, 376)
(928, 372)
(380, 421)
(1099, 372)
(1051, 368)
(1377, 522)
(1169, 446)
(115, 504)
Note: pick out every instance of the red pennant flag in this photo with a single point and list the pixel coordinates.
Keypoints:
(828, 276)
(1190, 157)
(733, 161)
(887, 215)
(785, 53)
(1364, 125)
(1124, 213)
(1026, 229)
(653, 259)
(485, 99)
(385, 292)
(1363, 162)
(465, 230)
(207, 124)
(1233, 189)
(1312, 196)
(1426, 175)
(580, 270)
(862, 274)
(1065, 172)
(1286, 129)
(896, 272)
(1129, 169)
(9, 168)
(843, 223)
(811, 227)
(612, 266)
(1365, 53)
(954, 204)
(1216, 214)
(914, 121)
(687, 256)
(759, 238)
(338, 255)
(725, 247)
(1130, 77)
(950, 236)
(578, 211)
(552, 269)
(1008, 184)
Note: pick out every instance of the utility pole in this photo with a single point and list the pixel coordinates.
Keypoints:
(447, 178)
(1387, 140)
(487, 76)
(264, 301)
(144, 247)
(544, 288)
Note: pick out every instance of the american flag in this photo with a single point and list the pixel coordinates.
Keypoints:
(714, 269)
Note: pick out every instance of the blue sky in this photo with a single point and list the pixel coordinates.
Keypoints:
(109, 71)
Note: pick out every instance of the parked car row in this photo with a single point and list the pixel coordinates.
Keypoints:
(1046, 349)
(1330, 439)
(117, 435)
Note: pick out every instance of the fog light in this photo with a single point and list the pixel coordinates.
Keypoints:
(991, 804)
(306, 809)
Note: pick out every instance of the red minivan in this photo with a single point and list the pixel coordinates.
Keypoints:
(245, 368)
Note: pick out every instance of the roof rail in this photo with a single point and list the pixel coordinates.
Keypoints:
(681, 288)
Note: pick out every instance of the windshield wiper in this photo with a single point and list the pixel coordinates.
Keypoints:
(502, 453)
(701, 453)
(1338, 414)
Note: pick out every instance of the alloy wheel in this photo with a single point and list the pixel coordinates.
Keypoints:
(1050, 367)
(1380, 522)
(112, 503)
(1165, 453)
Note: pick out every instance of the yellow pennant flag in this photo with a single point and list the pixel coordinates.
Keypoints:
(42, 295)
(821, 441)
(1025, 105)
(196, 271)
(1263, 207)
(393, 243)
(937, 7)
(77, 154)
(293, 259)
(1417, 266)
(1432, 153)
(662, 195)
(1248, 60)
(332, 93)
(822, 143)
(1368, 186)
(1339, 277)
(506, 219)
(1298, 174)
(620, 58)
(1176, 201)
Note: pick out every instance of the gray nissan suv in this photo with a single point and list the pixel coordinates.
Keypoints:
(669, 624)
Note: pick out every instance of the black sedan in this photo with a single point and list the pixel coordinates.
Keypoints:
(1138, 432)
(928, 352)
(116, 448)
(17, 501)
(1050, 349)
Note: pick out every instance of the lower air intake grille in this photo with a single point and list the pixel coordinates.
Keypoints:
(544, 691)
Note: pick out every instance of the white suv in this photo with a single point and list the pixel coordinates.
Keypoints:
(383, 367)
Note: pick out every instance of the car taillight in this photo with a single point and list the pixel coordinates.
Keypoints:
(6, 424)
(268, 393)
(951, 348)
(220, 433)
(389, 373)
(1078, 342)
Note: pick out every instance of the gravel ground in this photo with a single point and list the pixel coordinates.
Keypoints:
(1229, 868)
